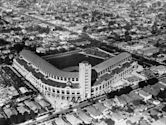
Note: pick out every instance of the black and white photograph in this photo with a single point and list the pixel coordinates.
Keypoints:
(82, 62)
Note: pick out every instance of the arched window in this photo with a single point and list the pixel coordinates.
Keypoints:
(37, 70)
(73, 99)
(29, 63)
(67, 92)
(46, 77)
(100, 87)
(68, 97)
(63, 92)
(78, 99)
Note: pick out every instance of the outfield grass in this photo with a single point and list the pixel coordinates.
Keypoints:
(73, 60)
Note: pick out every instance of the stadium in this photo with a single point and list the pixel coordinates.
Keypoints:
(74, 76)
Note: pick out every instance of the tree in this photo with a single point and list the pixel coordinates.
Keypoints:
(85, 28)
(152, 81)
(162, 94)
(154, 28)
(4, 121)
(128, 38)
(18, 47)
(13, 119)
(142, 84)
(27, 116)
(111, 23)
(32, 114)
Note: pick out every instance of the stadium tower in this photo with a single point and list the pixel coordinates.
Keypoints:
(85, 80)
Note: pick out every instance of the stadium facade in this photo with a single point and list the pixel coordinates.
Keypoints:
(90, 81)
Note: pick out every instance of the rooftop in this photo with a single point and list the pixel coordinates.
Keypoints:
(100, 107)
(113, 72)
(93, 111)
(83, 116)
(41, 76)
(44, 66)
(161, 121)
(60, 121)
(143, 93)
(72, 119)
(112, 61)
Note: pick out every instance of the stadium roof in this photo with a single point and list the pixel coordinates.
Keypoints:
(100, 67)
(46, 67)
(115, 71)
(40, 76)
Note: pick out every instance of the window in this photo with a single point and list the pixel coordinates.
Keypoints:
(58, 91)
(73, 98)
(76, 79)
(53, 90)
(37, 70)
(72, 79)
(46, 77)
(101, 73)
(68, 98)
(100, 87)
(67, 92)
(63, 92)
